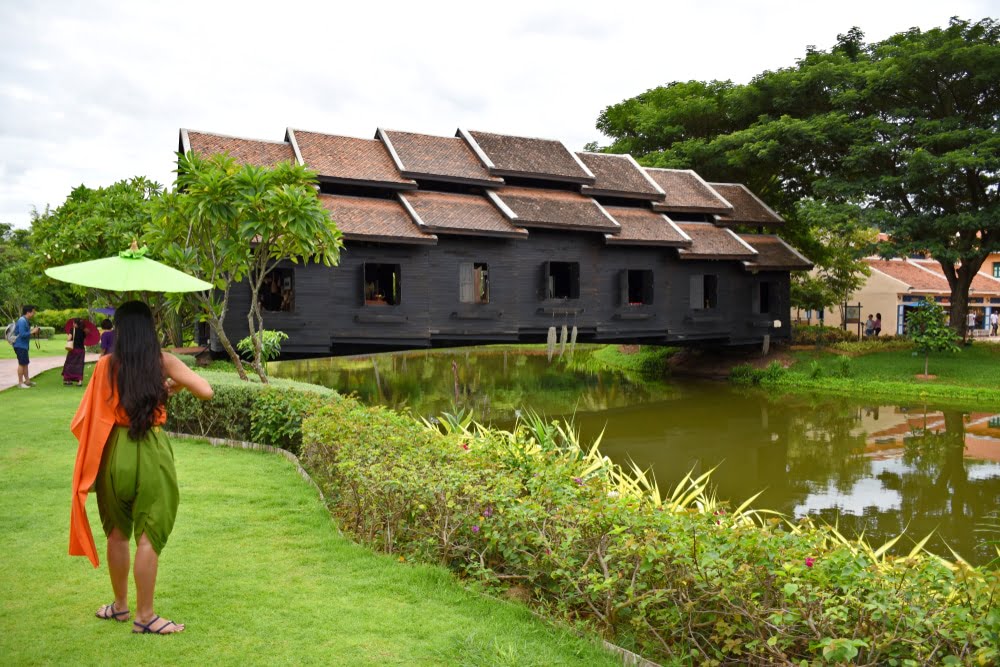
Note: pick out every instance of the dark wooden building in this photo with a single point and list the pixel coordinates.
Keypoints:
(483, 238)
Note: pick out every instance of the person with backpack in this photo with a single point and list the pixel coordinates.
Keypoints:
(23, 331)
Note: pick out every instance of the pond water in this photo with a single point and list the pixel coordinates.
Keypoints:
(867, 466)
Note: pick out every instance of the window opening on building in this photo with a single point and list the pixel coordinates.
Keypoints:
(996, 269)
(382, 284)
(704, 291)
(277, 294)
(762, 298)
(473, 282)
(637, 287)
(562, 280)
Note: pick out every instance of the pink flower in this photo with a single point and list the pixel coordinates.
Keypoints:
(578, 480)
(475, 529)
(488, 512)
(809, 561)
(465, 446)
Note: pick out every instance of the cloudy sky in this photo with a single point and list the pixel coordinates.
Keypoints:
(95, 91)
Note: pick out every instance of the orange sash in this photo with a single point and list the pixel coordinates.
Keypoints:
(97, 415)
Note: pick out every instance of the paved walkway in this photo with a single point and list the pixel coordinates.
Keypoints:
(8, 367)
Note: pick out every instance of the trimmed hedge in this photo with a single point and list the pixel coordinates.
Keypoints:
(57, 318)
(268, 414)
(681, 581)
(46, 332)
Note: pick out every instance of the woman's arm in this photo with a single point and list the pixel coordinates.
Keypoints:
(184, 377)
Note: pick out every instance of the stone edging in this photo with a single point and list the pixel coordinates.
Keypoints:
(629, 659)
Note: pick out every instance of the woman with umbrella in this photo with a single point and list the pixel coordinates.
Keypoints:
(124, 454)
(77, 334)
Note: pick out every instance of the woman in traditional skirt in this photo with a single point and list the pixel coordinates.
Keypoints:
(129, 461)
(73, 366)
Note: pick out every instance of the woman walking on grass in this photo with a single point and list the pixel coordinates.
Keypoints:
(125, 456)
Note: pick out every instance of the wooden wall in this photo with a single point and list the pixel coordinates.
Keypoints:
(331, 315)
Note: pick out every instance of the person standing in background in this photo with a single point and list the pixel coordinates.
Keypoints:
(107, 337)
(878, 324)
(994, 320)
(24, 333)
(73, 366)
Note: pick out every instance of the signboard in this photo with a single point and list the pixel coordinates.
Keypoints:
(852, 314)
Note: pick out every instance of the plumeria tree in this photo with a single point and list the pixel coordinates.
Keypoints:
(232, 223)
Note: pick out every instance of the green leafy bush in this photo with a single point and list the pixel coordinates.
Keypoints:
(269, 414)
(679, 579)
(803, 334)
(57, 318)
(746, 374)
(46, 332)
(270, 345)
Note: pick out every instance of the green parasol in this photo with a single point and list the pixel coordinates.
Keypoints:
(129, 271)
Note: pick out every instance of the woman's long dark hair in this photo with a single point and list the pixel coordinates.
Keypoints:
(137, 366)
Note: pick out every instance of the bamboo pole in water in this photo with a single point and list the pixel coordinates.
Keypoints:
(551, 342)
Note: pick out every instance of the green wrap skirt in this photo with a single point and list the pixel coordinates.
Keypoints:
(137, 486)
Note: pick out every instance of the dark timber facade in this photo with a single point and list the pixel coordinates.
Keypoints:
(487, 238)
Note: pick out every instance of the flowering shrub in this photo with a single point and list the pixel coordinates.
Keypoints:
(679, 579)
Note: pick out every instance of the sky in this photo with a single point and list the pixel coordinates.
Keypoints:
(95, 91)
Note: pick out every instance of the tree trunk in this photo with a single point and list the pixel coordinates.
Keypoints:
(216, 324)
(959, 280)
(255, 322)
(927, 362)
(228, 347)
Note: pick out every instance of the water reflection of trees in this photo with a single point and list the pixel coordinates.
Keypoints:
(937, 492)
(825, 445)
(493, 384)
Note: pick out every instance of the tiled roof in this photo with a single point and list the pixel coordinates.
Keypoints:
(641, 226)
(447, 158)
(686, 192)
(546, 159)
(919, 280)
(369, 219)
(555, 209)
(774, 254)
(348, 159)
(981, 284)
(747, 207)
(711, 242)
(620, 176)
(451, 213)
(244, 151)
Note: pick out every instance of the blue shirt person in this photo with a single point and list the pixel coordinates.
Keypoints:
(24, 331)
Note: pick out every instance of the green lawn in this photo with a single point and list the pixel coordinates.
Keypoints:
(52, 347)
(255, 568)
(975, 366)
(969, 377)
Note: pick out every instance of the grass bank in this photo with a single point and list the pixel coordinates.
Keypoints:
(970, 377)
(255, 568)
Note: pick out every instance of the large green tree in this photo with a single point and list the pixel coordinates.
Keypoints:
(904, 130)
(16, 285)
(92, 223)
(231, 223)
